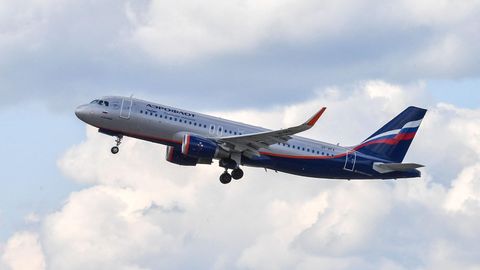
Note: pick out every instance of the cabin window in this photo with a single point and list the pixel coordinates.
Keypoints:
(141, 111)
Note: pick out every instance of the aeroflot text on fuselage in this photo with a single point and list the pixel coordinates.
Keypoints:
(201, 139)
(171, 110)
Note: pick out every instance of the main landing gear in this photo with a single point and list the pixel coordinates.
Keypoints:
(118, 141)
(236, 174)
(226, 177)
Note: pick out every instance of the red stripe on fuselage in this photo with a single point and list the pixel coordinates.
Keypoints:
(297, 157)
(395, 140)
(146, 138)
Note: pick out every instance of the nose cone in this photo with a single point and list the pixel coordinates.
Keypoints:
(81, 112)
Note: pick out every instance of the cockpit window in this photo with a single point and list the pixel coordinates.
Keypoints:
(100, 102)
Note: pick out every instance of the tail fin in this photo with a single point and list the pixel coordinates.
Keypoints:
(392, 141)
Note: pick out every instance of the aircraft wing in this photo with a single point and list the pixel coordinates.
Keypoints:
(249, 144)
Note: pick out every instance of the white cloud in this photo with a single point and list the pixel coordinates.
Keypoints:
(465, 193)
(105, 228)
(32, 218)
(186, 30)
(23, 251)
(151, 46)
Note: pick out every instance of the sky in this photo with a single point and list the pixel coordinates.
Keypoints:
(66, 203)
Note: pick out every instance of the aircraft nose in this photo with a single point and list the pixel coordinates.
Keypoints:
(81, 112)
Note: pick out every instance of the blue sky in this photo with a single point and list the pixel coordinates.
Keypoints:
(462, 93)
(256, 62)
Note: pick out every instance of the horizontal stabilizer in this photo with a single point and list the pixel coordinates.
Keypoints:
(395, 167)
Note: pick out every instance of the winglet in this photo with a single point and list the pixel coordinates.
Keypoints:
(311, 122)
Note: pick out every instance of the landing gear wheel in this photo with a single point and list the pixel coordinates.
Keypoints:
(115, 150)
(118, 141)
(225, 178)
(237, 174)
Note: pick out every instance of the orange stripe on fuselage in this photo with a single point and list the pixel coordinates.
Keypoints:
(300, 157)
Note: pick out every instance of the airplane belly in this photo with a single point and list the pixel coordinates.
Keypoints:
(333, 168)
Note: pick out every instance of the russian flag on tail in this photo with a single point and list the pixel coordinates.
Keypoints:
(392, 141)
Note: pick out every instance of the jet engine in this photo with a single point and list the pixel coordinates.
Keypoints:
(195, 146)
(175, 156)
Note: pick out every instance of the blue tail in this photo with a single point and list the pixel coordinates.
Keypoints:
(392, 141)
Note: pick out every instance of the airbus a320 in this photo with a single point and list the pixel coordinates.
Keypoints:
(193, 138)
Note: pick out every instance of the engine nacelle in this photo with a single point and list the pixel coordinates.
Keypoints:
(199, 147)
(175, 156)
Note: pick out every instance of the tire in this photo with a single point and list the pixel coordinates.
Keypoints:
(237, 174)
(225, 178)
(115, 150)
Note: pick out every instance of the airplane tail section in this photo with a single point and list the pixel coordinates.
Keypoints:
(392, 141)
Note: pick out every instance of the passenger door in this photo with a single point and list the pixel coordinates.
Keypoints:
(350, 160)
(126, 108)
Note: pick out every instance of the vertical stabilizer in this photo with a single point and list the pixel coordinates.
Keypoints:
(392, 141)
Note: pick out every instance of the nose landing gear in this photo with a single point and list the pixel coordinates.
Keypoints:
(116, 148)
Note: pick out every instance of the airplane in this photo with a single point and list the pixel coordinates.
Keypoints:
(193, 138)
